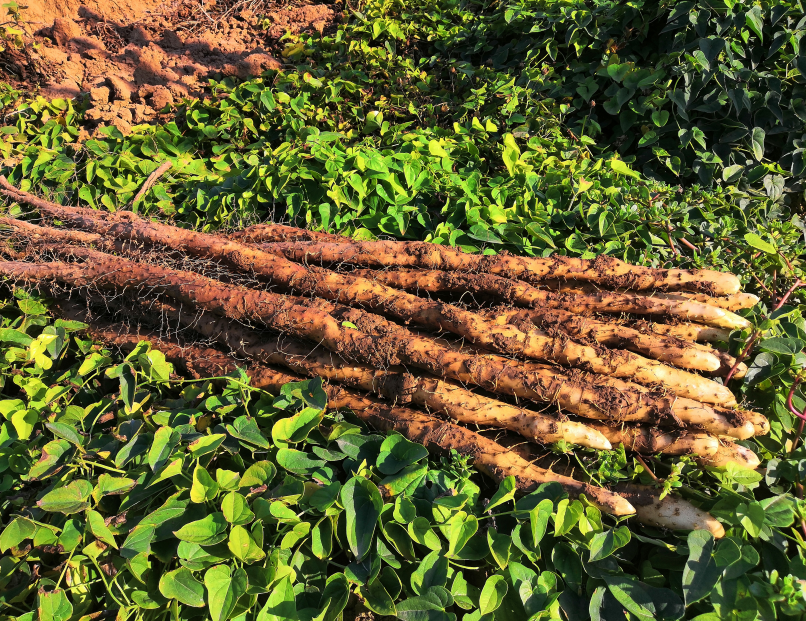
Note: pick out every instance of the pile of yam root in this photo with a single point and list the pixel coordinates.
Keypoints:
(437, 344)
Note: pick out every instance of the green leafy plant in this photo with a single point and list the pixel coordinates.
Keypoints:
(125, 488)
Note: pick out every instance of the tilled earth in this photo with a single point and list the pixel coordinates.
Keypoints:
(136, 60)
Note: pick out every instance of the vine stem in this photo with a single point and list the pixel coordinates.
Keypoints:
(69, 558)
(688, 244)
(757, 333)
(765, 287)
(742, 355)
(643, 463)
(786, 295)
(799, 494)
(671, 243)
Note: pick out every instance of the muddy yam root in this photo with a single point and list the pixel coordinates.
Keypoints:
(604, 270)
(662, 348)
(737, 301)
(687, 331)
(269, 231)
(503, 338)
(648, 440)
(437, 436)
(671, 512)
(431, 314)
(730, 452)
(578, 301)
(634, 378)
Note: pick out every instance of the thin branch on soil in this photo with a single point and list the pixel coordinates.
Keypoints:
(150, 181)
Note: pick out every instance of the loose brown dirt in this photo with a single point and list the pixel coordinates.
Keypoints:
(133, 59)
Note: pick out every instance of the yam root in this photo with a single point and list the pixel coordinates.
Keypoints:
(730, 452)
(436, 435)
(604, 270)
(488, 456)
(432, 314)
(506, 339)
(644, 439)
(574, 300)
(50, 235)
(590, 396)
(585, 329)
(692, 333)
(664, 348)
(733, 302)
(686, 331)
(395, 384)
(761, 426)
(430, 393)
(672, 512)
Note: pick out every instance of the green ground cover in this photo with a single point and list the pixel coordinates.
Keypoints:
(534, 127)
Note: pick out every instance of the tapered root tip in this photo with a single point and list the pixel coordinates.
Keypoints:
(761, 425)
(671, 512)
(732, 453)
(703, 361)
(740, 371)
(723, 396)
(747, 300)
(677, 514)
(691, 359)
(622, 506)
(732, 321)
(715, 317)
(601, 443)
(724, 283)
(718, 283)
(745, 431)
(703, 444)
(577, 433)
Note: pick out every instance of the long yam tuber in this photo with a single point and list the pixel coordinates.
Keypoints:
(433, 314)
(686, 331)
(436, 435)
(732, 302)
(604, 270)
(644, 439)
(730, 452)
(280, 232)
(671, 512)
(586, 395)
(662, 348)
(573, 300)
